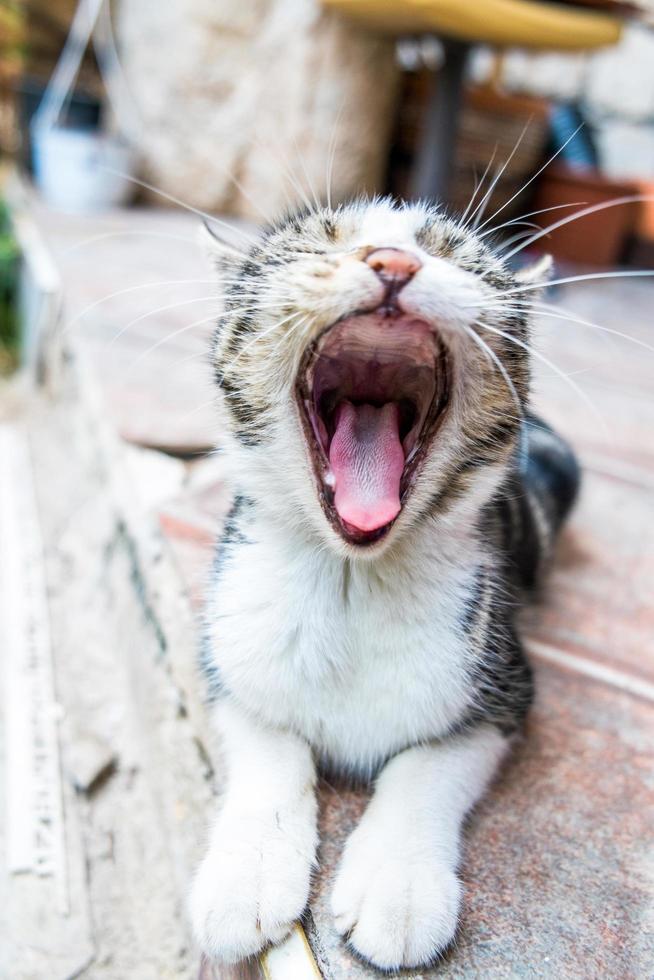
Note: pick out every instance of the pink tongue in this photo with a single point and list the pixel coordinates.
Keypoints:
(367, 460)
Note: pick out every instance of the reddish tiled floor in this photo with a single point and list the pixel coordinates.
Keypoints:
(598, 598)
(558, 868)
(191, 523)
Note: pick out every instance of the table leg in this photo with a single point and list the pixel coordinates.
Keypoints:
(434, 157)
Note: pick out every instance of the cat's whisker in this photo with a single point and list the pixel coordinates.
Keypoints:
(295, 184)
(246, 194)
(532, 422)
(479, 211)
(182, 204)
(331, 153)
(525, 224)
(553, 367)
(307, 176)
(198, 408)
(529, 214)
(260, 337)
(493, 357)
(221, 283)
(166, 339)
(145, 233)
(516, 238)
(195, 356)
(531, 179)
(560, 313)
(579, 371)
(478, 184)
(160, 309)
(132, 289)
(582, 277)
(290, 201)
(591, 209)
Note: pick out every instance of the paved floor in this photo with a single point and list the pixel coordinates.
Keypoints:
(140, 297)
(559, 871)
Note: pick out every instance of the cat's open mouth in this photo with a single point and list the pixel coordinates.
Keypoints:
(372, 391)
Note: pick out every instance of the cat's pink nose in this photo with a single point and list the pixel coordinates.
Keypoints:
(394, 265)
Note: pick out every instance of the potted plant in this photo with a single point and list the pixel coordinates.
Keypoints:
(9, 316)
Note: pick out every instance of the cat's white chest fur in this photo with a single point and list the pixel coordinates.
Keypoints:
(361, 659)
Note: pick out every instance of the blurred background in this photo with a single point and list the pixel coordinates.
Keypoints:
(245, 110)
(122, 124)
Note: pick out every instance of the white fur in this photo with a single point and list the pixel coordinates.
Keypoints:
(361, 659)
(254, 880)
(359, 670)
(396, 894)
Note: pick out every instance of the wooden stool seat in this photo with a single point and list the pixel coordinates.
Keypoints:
(523, 23)
(461, 23)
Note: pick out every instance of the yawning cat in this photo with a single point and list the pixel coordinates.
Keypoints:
(394, 501)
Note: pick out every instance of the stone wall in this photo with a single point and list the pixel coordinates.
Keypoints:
(257, 92)
(614, 86)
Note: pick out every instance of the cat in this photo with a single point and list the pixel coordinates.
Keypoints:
(395, 502)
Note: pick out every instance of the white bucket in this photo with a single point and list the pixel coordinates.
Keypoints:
(72, 168)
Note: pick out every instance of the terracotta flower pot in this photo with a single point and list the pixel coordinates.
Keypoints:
(595, 239)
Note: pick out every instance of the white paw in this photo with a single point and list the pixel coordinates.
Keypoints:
(396, 908)
(253, 883)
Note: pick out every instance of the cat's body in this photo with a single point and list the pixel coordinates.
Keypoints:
(322, 659)
(337, 637)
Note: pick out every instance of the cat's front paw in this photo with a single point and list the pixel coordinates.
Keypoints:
(396, 909)
(253, 883)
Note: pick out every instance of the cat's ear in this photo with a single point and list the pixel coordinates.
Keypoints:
(538, 272)
(218, 249)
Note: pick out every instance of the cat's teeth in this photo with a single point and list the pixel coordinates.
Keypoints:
(330, 479)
